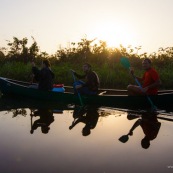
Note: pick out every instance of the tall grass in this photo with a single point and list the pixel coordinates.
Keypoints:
(114, 76)
(15, 70)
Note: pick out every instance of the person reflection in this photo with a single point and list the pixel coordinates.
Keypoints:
(87, 115)
(46, 118)
(150, 126)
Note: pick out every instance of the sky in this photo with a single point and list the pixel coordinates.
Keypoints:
(56, 23)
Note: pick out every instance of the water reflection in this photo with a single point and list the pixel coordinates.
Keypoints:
(61, 154)
(87, 115)
(9, 103)
(46, 118)
(150, 127)
(17, 112)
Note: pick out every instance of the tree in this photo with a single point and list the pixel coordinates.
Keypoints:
(19, 51)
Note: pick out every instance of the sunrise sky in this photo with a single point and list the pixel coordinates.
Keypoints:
(146, 23)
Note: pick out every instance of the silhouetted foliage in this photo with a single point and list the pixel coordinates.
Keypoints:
(105, 60)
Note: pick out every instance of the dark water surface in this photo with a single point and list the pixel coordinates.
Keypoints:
(81, 141)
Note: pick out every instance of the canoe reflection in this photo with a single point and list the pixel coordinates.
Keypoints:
(45, 119)
(149, 124)
(88, 115)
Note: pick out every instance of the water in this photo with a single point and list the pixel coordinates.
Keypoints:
(79, 144)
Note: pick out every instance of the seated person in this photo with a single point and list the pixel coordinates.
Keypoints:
(91, 84)
(89, 116)
(44, 76)
(150, 81)
(46, 118)
(150, 127)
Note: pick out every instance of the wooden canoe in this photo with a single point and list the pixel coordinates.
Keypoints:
(107, 97)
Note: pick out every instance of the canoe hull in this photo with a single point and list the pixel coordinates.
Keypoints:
(12, 88)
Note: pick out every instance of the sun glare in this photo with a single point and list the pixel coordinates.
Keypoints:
(114, 35)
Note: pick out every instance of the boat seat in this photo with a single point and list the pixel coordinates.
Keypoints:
(104, 92)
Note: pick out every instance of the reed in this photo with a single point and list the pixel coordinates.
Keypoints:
(110, 77)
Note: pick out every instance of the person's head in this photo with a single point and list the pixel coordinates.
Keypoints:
(146, 64)
(86, 67)
(46, 63)
(45, 129)
(86, 131)
(145, 143)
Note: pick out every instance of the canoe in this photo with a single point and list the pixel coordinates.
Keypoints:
(107, 97)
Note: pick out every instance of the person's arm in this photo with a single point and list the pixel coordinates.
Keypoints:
(75, 123)
(136, 124)
(35, 71)
(90, 79)
(43, 74)
(52, 73)
(140, 79)
(79, 76)
(154, 85)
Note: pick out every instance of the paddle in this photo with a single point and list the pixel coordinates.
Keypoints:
(124, 138)
(80, 99)
(126, 63)
(31, 131)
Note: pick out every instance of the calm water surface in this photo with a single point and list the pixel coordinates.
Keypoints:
(64, 141)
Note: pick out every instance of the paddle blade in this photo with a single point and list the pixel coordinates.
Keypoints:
(124, 138)
(125, 62)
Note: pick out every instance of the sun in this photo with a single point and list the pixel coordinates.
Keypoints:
(114, 34)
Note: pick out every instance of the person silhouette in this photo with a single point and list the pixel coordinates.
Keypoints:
(150, 126)
(87, 115)
(46, 118)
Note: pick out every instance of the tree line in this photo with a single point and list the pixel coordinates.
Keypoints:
(103, 58)
(18, 50)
